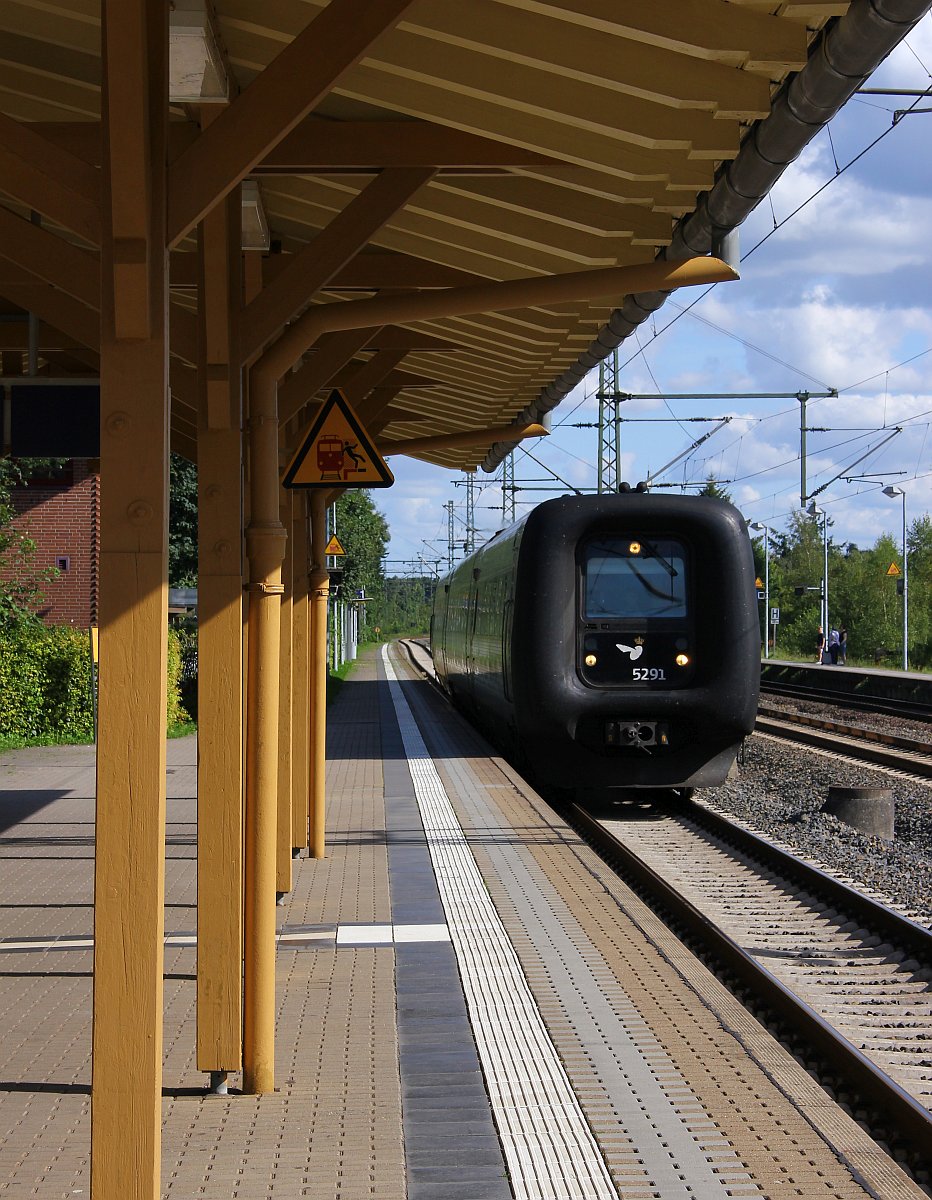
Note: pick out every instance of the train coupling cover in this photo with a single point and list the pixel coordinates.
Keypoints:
(641, 735)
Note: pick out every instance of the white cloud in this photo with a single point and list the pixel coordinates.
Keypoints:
(840, 294)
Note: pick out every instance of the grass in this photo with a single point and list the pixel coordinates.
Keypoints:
(178, 730)
(8, 742)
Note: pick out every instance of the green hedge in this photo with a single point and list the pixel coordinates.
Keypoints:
(45, 684)
(176, 710)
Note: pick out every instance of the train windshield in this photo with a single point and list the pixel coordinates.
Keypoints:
(633, 577)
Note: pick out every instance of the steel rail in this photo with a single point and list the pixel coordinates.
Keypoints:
(855, 745)
(903, 1119)
(879, 704)
(858, 732)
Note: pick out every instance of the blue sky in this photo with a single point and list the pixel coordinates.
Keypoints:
(840, 296)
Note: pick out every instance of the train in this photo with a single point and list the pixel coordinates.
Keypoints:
(608, 641)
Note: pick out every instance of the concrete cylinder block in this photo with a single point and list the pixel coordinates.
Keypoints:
(869, 809)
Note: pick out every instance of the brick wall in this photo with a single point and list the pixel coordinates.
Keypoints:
(62, 516)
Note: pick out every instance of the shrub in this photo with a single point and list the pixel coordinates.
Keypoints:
(45, 684)
(176, 710)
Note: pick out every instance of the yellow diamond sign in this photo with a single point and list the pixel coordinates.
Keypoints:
(336, 452)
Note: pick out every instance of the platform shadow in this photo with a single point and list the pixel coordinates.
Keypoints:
(19, 806)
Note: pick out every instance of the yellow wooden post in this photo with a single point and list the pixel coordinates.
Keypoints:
(252, 286)
(129, 885)
(283, 831)
(220, 651)
(319, 587)
(300, 692)
(265, 547)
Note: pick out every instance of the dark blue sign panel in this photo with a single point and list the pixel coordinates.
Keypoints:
(60, 420)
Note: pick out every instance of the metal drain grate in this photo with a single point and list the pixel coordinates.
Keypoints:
(548, 1145)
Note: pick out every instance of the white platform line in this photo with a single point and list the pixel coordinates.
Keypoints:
(549, 1147)
(343, 935)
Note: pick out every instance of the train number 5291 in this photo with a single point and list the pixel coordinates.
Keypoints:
(648, 674)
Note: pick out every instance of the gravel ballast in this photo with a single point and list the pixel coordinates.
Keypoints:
(781, 788)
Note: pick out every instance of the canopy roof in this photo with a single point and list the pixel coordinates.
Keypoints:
(488, 140)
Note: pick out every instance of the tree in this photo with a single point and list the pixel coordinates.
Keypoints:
(363, 534)
(406, 606)
(20, 580)
(182, 523)
(863, 599)
(714, 489)
(797, 563)
(919, 549)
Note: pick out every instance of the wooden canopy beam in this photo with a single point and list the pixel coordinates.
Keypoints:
(331, 353)
(373, 410)
(50, 304)
(391, 378)
(50, 180)
(74, 271)
(370, 374)
(334, 146)
(370, 271)
(277, 99)
(318, 145)
(398, 337)
(308, 271)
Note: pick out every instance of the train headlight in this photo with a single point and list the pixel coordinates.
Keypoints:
(634, 548)
(682, 660)
(591, 660)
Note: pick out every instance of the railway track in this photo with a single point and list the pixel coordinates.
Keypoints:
(909, 709)
(911, 755)
(847, 980)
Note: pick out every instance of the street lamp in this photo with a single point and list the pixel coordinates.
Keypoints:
(761, 527)
(893, 492)
(815, 511)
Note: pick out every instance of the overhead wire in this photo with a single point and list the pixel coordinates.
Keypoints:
(688, 310)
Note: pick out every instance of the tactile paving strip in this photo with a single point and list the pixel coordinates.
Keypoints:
(548, 1145)
(783, 1141)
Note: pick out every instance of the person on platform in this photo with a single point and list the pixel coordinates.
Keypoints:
(820, 644)
(833, 642)
(843, 646)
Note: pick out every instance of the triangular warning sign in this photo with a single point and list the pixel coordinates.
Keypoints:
(336, 452)
(893, 569)
(334, 546)
(758, 582)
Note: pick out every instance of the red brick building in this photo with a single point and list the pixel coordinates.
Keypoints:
(62, 516)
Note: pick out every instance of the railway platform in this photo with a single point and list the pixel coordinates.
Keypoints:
(471, 1004)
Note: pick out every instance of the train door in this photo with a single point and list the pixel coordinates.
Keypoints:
(438, 630)
(471, 648)
(507, 615)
